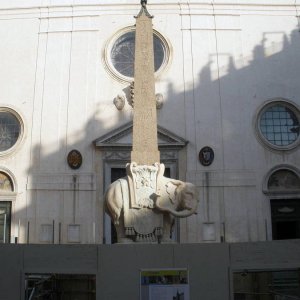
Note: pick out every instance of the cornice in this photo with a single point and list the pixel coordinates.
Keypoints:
(119, 7)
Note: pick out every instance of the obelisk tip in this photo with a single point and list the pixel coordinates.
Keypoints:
(144, 9)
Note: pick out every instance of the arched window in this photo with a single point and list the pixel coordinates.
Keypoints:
(6, 184)
(283, 187)
(6, 191)
(284, 181)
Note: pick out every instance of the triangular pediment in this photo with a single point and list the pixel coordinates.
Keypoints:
(121, 137)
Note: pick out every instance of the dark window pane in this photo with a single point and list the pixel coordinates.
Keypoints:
(286, 230)
(276, 120)
(60, 286)
(266, 285)
(117, 173)
(122, 53)
(9, 130)
(5, 221)
(167, 172)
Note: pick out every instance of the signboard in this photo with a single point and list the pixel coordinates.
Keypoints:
(167, 284)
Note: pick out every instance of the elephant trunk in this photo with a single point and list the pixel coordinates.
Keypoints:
(183, 213)
(186, 211)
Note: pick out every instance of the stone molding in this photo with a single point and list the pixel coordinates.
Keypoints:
(218, 178)
(111, 140)
(124, 155)
(92, 9)
(117, 155)
(62, 181)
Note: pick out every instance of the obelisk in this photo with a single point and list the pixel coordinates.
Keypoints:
(144, 143)
(143, 204)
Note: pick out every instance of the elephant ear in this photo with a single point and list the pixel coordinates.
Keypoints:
(171, 188)
(183, 199)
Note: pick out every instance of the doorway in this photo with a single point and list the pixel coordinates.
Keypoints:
(285, 214)
(5, 221)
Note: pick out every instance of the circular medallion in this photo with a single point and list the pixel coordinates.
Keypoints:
(206, 156)
(74, 159)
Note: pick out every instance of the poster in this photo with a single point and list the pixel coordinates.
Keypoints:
(167, 284)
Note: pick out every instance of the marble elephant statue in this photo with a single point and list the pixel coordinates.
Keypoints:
(173, 198)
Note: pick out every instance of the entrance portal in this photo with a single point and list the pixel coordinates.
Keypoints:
(285, 215)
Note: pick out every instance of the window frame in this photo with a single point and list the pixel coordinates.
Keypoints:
(257, 118)
(18, 116)
(279, 193)
(125, 79)
(6, 238)
(10, 196)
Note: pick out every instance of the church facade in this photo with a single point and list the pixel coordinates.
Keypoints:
(228, 108)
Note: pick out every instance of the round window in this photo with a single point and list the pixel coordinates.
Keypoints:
(278, 125)
(120, 51)
(10, 129)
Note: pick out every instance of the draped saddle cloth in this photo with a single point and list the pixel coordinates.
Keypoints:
(140, 218)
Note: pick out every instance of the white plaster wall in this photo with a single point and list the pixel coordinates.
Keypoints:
(227, 59)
